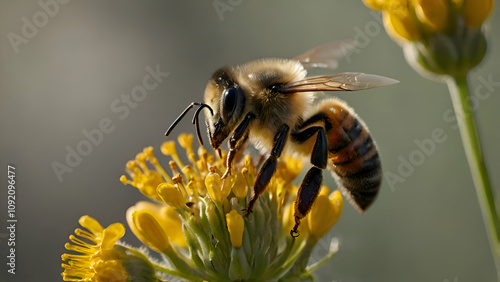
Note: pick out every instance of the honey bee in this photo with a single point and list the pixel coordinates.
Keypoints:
(271, 103)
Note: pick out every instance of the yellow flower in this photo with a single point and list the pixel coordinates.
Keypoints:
(99, 258)
(89, 264)
(432, 33)
(235, 226)
(195, 220)
(324, 214)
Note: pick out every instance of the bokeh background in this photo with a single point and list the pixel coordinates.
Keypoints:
(66, 77)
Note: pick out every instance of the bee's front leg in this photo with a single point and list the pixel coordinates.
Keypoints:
(236, 141)
(269, 167)
(310, 186)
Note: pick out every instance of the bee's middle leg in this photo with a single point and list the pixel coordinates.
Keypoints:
(236, 141)
(310, 186)
(269, 167)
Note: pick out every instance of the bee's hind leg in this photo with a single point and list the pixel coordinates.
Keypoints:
(310, 186)
(269, 167)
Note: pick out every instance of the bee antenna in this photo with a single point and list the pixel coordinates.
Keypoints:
(181, 116)
(197, 123)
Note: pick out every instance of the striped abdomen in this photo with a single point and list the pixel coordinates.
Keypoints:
(355, 161)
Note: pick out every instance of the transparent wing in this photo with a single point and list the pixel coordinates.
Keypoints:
(326, 55)
(337, 82)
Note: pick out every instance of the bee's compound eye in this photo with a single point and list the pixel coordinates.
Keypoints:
(229, 102)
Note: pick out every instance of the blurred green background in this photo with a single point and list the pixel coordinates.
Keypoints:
(69, 74)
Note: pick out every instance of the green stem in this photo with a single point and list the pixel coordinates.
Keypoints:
(460, 97)
(175, 273)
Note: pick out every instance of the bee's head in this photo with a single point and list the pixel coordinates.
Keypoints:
(227, 99)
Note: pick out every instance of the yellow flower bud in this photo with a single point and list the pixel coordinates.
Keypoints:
(400, 27)
(324, 214)
(149, 231)
(433, 14)
(170, 195)
(240, 188)
(235, 225)
(475, 12)
(166, 217)
(217, 189)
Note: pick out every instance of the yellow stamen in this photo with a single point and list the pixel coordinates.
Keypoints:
(168, 149)
(148, 151)
(179, 181)
(143, 178)
(124, 180)
(186, 142)
(131, 165)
